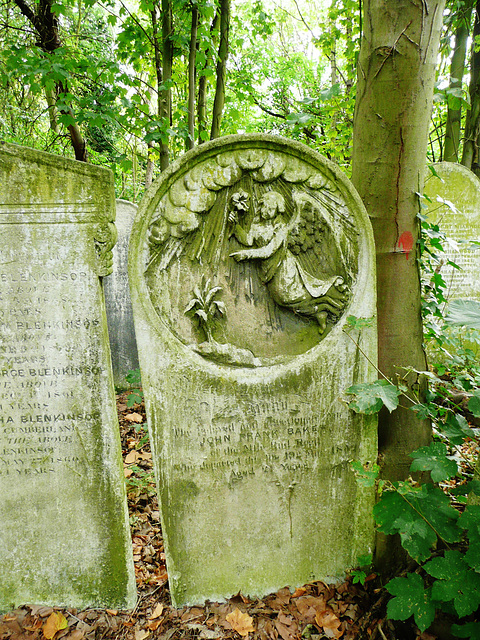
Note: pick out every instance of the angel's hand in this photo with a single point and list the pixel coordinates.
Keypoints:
(240, 255)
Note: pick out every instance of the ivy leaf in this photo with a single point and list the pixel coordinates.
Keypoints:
(470, 630)
(411, 598)
(434, 459)
(370, 397)
(455, 581)
(474, 403)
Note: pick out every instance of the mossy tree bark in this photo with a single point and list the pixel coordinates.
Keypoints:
(203, 85)
(219, 100)
(396, 73)
(190, 142)
(457, 69)
(165, 94)
(470, 155)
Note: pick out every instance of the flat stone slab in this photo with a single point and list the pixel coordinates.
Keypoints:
(64, 534)
(460, 187)
(121, 331)
(246, 258)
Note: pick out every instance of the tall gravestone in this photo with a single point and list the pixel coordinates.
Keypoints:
(458, 186)
(246, 258)
(117, 299)
(64, 535)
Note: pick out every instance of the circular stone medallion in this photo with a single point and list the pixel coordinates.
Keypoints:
(250, 249)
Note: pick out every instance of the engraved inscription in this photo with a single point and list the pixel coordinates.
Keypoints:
(273, 437)
(40, 428)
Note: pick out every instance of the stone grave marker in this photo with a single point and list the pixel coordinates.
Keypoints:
(64, 534)
(459, 186)
(117, 300)
(246, 258)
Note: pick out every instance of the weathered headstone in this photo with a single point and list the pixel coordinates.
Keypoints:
(64, 536)
(245, 261)
(458, 186)
(117, 300)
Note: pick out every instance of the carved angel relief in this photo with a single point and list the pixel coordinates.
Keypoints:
(251, 257)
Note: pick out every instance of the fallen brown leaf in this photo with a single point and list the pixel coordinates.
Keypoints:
(55, 622)
(132, 457)
(134, 417)
(329, 623)
(157, 612)
(242, 623)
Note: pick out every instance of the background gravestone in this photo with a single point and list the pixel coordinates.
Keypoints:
(117, 300)
(461, 187)
(64, 534)
(246, 258)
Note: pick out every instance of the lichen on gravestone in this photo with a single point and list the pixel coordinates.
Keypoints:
(245, 260)
(64, 534)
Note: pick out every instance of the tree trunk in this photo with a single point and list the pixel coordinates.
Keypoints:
(45, 24)
(457, 69)
(202, 88)
(396, 73)
(52, 109)
(221, 69)
(470, 156)
(150, 166)
(190, 142)
(165, 96)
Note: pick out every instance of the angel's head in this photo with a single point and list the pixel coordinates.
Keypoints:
(271, 204)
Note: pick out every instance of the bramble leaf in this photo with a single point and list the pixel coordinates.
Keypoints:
(455, 581)
(370, 397)
(474, 403)
(418, 514)
(434, 459)
(470, 520)
(411, 598)
(456, 428)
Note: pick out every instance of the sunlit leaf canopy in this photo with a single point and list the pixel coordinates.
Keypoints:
(290, 70)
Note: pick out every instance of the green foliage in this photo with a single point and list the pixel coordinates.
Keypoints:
(371, 397)
(434, 459)
(419, 514)
(411, 598)
(359, 576)
(142, 480)
(470, 630)
(455, 581)
(135, 393)
(365, 474)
